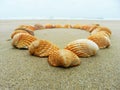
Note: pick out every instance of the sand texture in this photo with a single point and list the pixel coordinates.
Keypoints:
(21, 71)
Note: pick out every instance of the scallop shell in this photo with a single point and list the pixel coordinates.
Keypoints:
(77, 26)
(105, 29)
(58, 26)
(83, 47)
(101, 40)
(89, 28)
(85, 27)
(103, 33)
(42, 48)
(23, 40)
(49, 26)
(27, 27)
(63, 58)
(67, 26)
(22, 31)
(38, 26)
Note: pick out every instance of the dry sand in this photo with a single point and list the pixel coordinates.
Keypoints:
(20, 71)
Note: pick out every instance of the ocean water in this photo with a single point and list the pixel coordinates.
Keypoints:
(59, 9)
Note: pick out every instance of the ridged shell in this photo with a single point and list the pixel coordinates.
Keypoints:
(27, 27)
(63, 58)
(58, 26)
(89, 28)
(105, 29)
(103, 33)
(67, 26)
(76, 26)
(85, 27)
(23, 40)
(42, 48)
(47, 26)
(39, 26)
(101, 40)
(83, 47)
(22, 31)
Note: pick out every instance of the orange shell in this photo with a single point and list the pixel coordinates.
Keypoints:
(83, 47)
(85, 27)
(49, 26)
(89, 28)
(22, 31)
(103, 33)
(58, 26)
(101, 40)
(67, 26)
(77, 26)
(23, 40)
(42, 48)
(27, 27)
(93, 26)
(63, 58)
(38, 26)
(105, 29)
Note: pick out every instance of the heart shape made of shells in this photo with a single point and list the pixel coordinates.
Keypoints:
(23, 38)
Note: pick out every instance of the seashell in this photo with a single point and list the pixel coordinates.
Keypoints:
(77, 26)
(85, 27)
(58, 26)
(93, 26)
(83, 47)
(49, 26)
(27, 27)
(38, 26)
(89, 28)
(16, 32)
(22, 31)
(105, 29)
(101, 33)
(101, 40)
(63, 58)
(42, 48)
(23, 40)
(67, 26)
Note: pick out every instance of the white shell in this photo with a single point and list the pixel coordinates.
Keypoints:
(83, 47)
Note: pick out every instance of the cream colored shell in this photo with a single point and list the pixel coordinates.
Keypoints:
(63, 58)
(42, 48)
(83, 47)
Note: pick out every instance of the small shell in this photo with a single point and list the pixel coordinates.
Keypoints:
(63, 58)
(38, 26)
(67, 26)
(83, 47)
(77, 26)
(49, 26)
(58, 26)
(23, 40)
(89, 28)
(105, 29)
(93, 26)
(22, 31)
(103, 33)
(27, 27)
(85, 27)
(101, 40)
(42, 48)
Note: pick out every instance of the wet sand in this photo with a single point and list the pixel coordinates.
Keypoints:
(21, 71)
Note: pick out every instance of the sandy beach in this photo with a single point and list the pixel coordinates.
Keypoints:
(21, 71)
